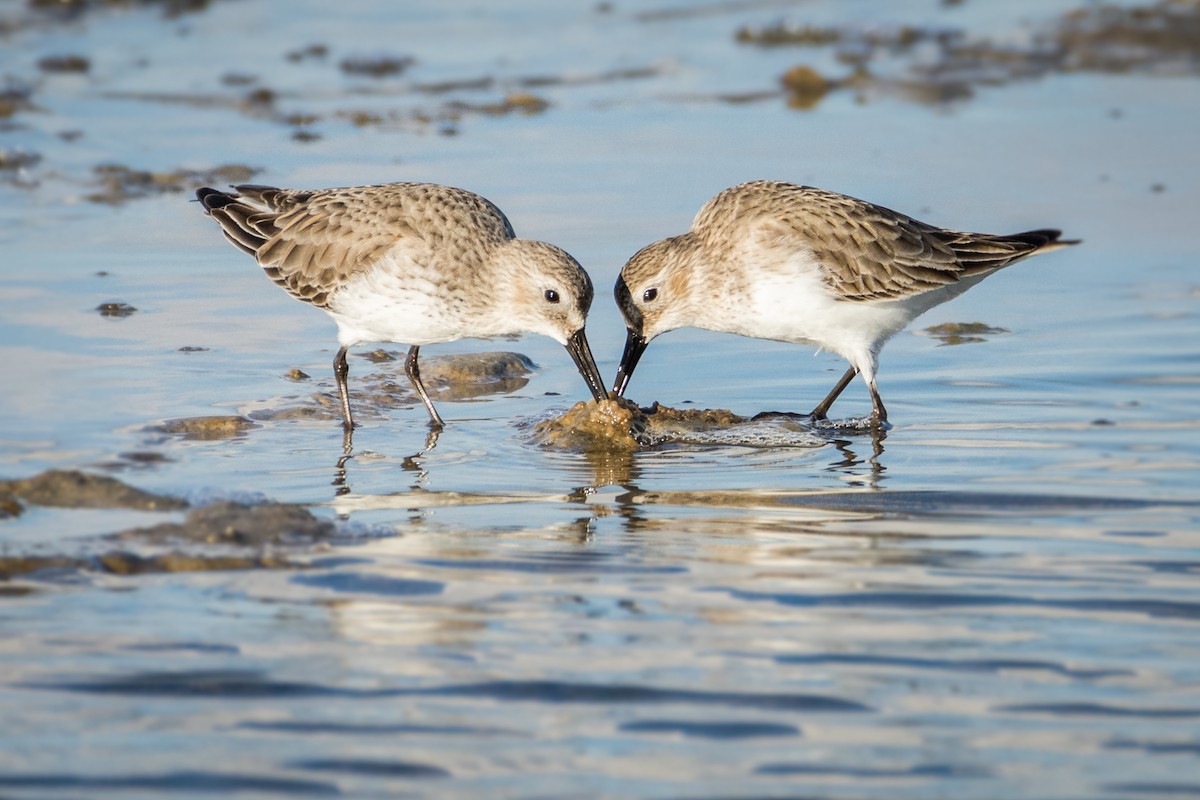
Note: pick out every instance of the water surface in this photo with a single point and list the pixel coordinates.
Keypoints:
(997, 599)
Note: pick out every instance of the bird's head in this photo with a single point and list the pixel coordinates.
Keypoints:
(654, 295)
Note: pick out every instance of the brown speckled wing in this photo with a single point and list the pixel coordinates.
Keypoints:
(312, 242)
(865, 251)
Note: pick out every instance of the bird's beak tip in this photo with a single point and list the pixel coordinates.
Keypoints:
(581, 354)
(635, 345)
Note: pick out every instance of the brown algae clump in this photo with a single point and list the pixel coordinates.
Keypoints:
(116, 310)
(120, 562)
(518, 102)
(67, 63)
(125, 563)
(661, 416)
(951, 333)
(205, 428)
(941, 65)
(117, 183)
(376, 66)
(75, 489)
(229, 523)
(591, 425)
(14, 99)
(805, 86)
(467, 375)
(781, 34)
(461, 376)
(620, 426)
(525, 103)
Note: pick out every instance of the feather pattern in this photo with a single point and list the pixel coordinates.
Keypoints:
(313, 242)
(865, 251)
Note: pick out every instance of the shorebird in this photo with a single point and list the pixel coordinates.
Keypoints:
(414, 263)
(774, 260)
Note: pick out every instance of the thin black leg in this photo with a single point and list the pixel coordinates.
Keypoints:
(414, 374)
(340, 370)
(877, 402)
(822, 409)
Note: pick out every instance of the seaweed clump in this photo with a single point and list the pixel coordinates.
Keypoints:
(1162, 38)
(118, 184)
(951, 333)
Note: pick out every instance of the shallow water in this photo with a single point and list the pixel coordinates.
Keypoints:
(999, 598)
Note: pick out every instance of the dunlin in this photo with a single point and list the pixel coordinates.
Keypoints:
(792, 263)
(415, 263)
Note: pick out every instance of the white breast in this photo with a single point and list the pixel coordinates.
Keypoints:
(791, 303)
(393, 303)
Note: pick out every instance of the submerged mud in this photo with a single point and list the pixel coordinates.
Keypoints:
(238, 524)
(940, 64)
(124, 562)
(619, 425)
(616, 424)
(951, 333)
(468, 375)
(223, 535)
(457, 377)
(116, 184)
(206, 428)
(75, 489)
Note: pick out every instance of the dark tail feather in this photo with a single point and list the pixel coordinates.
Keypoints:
(981, 253)
(214, 198)
(1040, 239)
(231, 214)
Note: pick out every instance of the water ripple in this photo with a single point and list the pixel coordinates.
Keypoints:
(368, 729)
(370, 584)
(915, 771)
(569, 692)
(244, 683)
(1191, 748)
(1164, 609)
(982, 665)
(718, 730)
(375, 768)
(557, 564)
(225, 784)
(1099, 710)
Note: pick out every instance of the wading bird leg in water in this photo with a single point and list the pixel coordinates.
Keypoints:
(413, 371)
(340, 371)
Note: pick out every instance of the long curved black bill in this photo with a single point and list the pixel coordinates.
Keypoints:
(581, 354)
(635, 345)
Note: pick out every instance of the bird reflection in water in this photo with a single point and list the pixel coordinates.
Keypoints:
(608, 449)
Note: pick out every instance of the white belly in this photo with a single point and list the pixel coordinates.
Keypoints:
(799, 308)
(793, 304)
(379, 306)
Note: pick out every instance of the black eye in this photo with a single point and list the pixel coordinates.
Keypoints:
(649, 295)
(551, 296)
